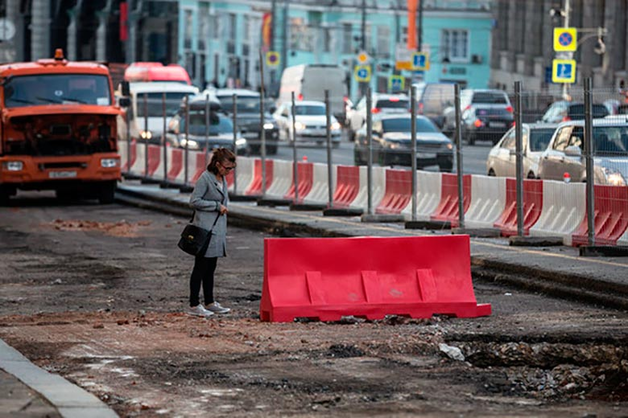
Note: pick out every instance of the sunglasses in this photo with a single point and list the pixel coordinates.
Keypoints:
(228, 168)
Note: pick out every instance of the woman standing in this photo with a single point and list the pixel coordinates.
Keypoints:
(210, 201)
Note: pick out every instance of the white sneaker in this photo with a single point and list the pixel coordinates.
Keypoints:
(199, 310)
(217, 308)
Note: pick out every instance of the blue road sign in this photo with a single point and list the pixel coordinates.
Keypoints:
(564, 71)
(420, 61)
(362, 73)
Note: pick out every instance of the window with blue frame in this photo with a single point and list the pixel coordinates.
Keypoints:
(455, 45)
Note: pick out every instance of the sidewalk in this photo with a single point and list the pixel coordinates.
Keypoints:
(556, 270)
(27, 390)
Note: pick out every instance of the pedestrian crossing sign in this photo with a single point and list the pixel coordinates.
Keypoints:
(396, 83)
(565, 39)
(564, 71)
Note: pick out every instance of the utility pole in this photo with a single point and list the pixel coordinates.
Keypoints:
(569, 54)
(419, 44)
(284, 42)
(363, 30)
(273, 42)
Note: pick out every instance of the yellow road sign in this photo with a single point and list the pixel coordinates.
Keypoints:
(564, 71)
(565, 39)
(363, 58)
(396, 83)
(272, 59)
(362, 73)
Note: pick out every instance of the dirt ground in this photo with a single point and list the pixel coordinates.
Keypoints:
(96, 294)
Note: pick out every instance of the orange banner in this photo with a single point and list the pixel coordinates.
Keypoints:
(412, 38)
(267, 31)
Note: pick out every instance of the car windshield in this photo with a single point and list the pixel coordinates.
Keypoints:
(154, 103)
(610, 140)
(218, 124)
(392, 104)
(576, 111)
(244, 104)
(404, 125)
(309, 110)
(489, 98)
(539, 138)
(57, 89)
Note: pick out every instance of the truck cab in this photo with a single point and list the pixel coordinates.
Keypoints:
(58, 129)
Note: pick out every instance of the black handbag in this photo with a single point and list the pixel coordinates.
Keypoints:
(195, 240)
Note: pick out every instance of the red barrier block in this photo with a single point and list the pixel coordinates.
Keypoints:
(255, 188)
(176, 163)
(306, 181)
(154, 159)
(447, 209)
(328, 278)
(202, 160)
(532, 206)
(130, 159)
(347, 186)
(398, 192)
(611, 216)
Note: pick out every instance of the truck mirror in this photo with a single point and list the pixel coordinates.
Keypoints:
(126, 89)
(124, 101)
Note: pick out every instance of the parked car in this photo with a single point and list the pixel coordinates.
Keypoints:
(497, 99)
(485, 123)
(310, 122)
(199, 136)
(562, 111)
(382, 104)
(248, 118)
(502, 159)
(392, 143)
(610, 152)
(433, 99)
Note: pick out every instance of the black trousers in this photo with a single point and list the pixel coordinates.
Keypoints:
(203, 272)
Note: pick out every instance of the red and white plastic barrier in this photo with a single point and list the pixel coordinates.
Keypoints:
(532, 206)
(319, 194)
(282, 179)
(379, 187)
(428, 195)
(398, 192)
(488, 201)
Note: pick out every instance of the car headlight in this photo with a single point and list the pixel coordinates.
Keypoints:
(614, 177)
(268, 126)
(109, 162)
(450, 146)
(189, 143)
(146, 134)
(13, 165)
(335, 126)
(241, 142)
(299, 126)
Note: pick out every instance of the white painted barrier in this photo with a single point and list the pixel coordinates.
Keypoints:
(245, 173)
(488, 201)
(428, 187)
(379, 188)
(282, 179)
(564, 208)
(320, 187)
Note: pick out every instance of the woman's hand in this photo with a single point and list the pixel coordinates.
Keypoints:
(223, 210)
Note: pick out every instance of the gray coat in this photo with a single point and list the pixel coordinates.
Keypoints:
(206, 200)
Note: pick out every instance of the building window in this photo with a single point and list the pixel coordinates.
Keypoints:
(455, 45)
(203, 30)
(188, 17)
(301, 37)
(231, 33)
(383, 41)
(347, 38)
(326, 39)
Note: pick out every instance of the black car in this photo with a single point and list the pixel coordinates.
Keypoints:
(392, 143)
(486, 122)
(248, 118)
(200, 135)
(563, 111)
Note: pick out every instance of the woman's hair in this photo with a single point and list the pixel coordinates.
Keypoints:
(220, 155)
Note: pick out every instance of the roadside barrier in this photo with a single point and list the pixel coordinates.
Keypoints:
(532, 206)
(328, 278)
(306, 181)
(255, 188)
(379, 187)
(398, 192)
(123, 150)
(347, 187)
(176, 173)
(447, 210)
(611, 217)
(139, 166)
(488, 201)
(564, 208)
(319, 194)
(281, 180)
(245, 173)
(154, 161)
(429, 187)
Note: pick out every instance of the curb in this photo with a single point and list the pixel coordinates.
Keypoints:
(70, 400)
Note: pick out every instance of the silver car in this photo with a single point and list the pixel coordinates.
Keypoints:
(502, 159)
(565, 154)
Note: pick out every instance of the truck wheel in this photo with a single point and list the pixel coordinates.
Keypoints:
(4, 196)
(107, 192)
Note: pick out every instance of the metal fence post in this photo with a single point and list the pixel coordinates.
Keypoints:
(128, 138)
(186, 103)
(459, 171)
(588, 155)
(330, 168)
(145, 135)
(295, 168)
(261, 121)
(413, 152)
(519, 157)
(369, 145)
(234, 98)
(163, 134)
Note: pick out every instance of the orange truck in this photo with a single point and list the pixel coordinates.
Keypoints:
(58, 129)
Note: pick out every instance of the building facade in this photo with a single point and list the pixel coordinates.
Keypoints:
(220, 41)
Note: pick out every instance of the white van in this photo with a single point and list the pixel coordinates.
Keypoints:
(152, 112)
(309, 82)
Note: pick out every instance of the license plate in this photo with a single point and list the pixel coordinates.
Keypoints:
(497, 124)
(250, 135)
(62, 174)
(425, 155)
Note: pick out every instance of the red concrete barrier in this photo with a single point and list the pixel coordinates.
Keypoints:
(398, 192)
(328, 278)
(255, 188)
(447, 209)
(611, 216)
(130, 160)
(200, 166)
(154, 159)
(532, 206)
(176, 163)
(347, 185)
(306, 181)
